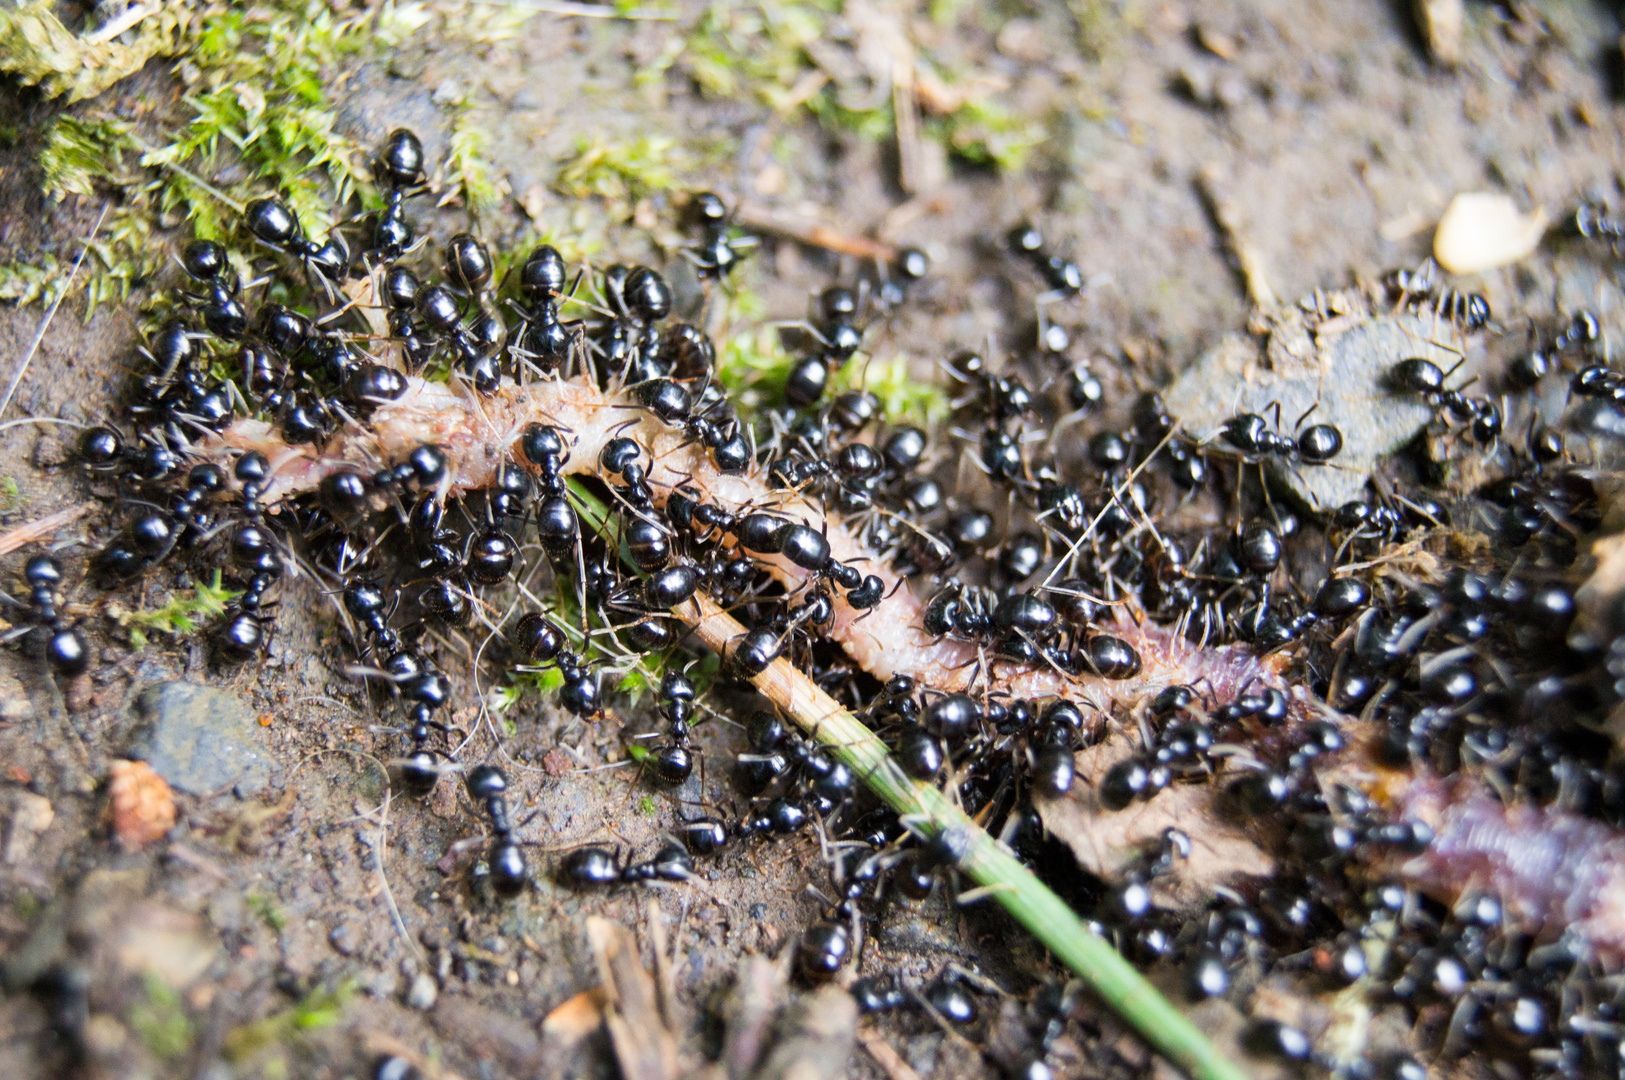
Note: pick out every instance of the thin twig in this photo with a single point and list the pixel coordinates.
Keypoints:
(45, 323)
(754, 215)
(41, 527)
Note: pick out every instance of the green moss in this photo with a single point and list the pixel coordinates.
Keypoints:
(622, 172)
(319, 1009)
(753, 365)
(266, 909)
(761, 50)
(161, 1021)
(11, 496)
(902, 396)
(182, 614)
(646, 806)
(984, 132)
(477, 187)
(257, 112)
(23, 283)
(79, 151)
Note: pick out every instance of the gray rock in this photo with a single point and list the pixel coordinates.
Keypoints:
(1341, 363)
(343, 939)
(198, 739)
(423, 992)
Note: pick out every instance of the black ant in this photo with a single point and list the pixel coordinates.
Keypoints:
(487, 786)
(1468, 311)
(545, 338)
(1250, 435)
(254, 548)
(401, 162)
(597, 866)
(478, 345)
(717, 252)
(276, 226)
(1418, 375)
(65, 648)
(1593, 222)
(542, 642)
(835, 330)
(1061, 275)
(206, 262)
(672, 761)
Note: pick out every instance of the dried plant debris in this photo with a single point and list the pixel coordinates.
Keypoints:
(1121, 844)
(638, 1027)
(759, 992)
(40, 51)
(815, 1038)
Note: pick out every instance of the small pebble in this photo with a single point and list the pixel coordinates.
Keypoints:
(423, 992)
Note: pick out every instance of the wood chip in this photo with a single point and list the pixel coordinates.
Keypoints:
(40, 528)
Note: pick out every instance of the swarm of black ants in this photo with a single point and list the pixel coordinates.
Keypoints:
(1424, 746)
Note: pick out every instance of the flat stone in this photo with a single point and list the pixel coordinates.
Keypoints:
(198, 739)
(1343, 365)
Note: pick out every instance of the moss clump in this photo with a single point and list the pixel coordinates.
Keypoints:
(266, 909)
(470, 177)
(40, 51)
(181, 614)
(902, 396)
(257, 121)
(320, 1008)
(789, 57)
(621, 173)
(161, 1021)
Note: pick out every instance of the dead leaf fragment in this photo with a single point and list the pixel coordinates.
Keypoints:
(818, 1036)
(757, 996)
(142, 804)
(576, 1018)
(1108, 842)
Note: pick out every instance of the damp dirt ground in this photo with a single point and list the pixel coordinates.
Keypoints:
(1316, 135)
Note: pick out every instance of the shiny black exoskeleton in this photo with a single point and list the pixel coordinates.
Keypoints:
(400, 166)
(598, 867)
(64, 649)
(505, 859)
(205, 261)
(1061, 275)
(273, 224)
(719, 248)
